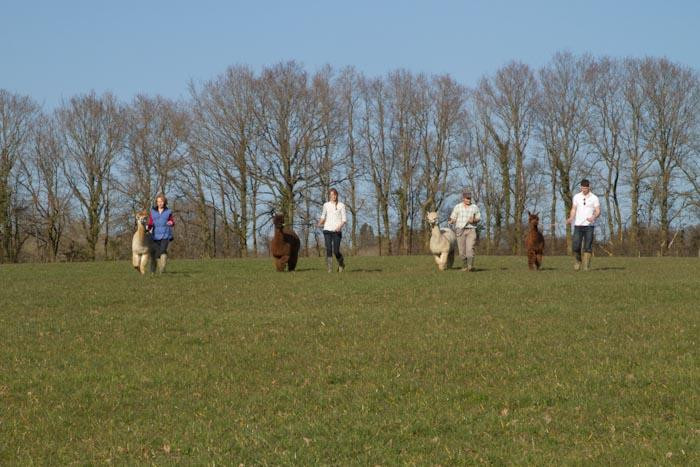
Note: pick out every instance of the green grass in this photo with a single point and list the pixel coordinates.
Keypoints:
(229, 362)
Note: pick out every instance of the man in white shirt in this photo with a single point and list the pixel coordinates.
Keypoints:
(585, 209)
(465, 216)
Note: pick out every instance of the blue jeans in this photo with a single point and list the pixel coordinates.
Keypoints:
(333, 245)
(583, 234)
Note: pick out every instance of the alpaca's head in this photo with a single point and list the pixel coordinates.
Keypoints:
(278, 220)
(432, 218)
(533, 219)
(142, 218)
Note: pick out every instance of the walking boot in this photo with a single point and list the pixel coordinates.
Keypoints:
(586, 262)
(341, 264)
(161, 263)
(577, 263)
(470, 264)
(465, 265)
(329, 264)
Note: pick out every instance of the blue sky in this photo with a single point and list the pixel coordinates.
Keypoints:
(52, 50)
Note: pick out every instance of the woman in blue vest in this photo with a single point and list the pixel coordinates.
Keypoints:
(160, 224)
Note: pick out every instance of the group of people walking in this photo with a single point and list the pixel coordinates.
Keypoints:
(464, 218)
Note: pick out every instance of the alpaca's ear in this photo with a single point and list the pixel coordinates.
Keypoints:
(537, 214)
(529, 213)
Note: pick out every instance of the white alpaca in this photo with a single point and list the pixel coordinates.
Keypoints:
(142, 248)
(443, 243)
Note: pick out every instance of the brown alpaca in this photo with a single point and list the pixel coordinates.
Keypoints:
(284, 245)
(534, 242)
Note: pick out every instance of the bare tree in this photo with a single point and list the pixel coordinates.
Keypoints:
(325, 163)
(17, 115)
(404, 90)
(224, 130)
(636, 158)
(378, 160)
(442, 134)
(350, 107)
(287, 124)
(507, 109)
(193, 181)
(500, 144)
(562, 122)
(155, 142)
(93, 134)
(605, 126)
(47, 186)
(481, 154)
(672, 100)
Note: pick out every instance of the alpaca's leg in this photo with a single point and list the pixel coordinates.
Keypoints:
(531, 260)
(282, 263)
(450, 258)
(442, 264)
(539, 260)
(292, 264)
(152, 261)
(135, 261)
(144, 263)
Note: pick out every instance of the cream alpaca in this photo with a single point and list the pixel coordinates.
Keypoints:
(142, 248)
(443, 243)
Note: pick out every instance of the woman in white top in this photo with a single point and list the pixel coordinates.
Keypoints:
(333, 220)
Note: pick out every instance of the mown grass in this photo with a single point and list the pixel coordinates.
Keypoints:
(229, 362)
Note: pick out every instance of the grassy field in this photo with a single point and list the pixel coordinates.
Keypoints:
(228, 362)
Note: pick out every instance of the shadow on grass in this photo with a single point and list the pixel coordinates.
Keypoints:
(181, 273)
(609, 268)
(363, 270)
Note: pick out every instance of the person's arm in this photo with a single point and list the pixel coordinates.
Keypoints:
(476, 217)
(572, 214)
(596, 213)
(343, 219)
(171, 220)
(453, 216)
(322, 220)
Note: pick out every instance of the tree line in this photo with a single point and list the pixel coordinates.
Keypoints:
(245, 144)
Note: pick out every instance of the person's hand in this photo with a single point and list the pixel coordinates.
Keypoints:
(591, 219)
(570, 220)
(170, 223)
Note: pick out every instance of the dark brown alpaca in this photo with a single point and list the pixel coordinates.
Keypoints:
(534, 242)
(284, 245)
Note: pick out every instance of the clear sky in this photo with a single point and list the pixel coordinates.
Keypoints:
(51, 50)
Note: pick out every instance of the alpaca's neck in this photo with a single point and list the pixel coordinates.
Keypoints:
(141, 231)
(437, 239)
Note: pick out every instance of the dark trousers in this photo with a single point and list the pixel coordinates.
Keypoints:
(333, 245)
(583, 237)
(161, 247)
